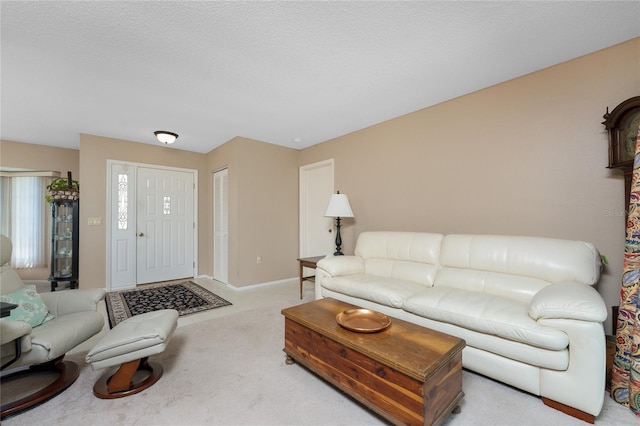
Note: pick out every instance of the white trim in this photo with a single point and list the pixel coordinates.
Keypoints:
(252, 286)
(224, 169)
(30, 173)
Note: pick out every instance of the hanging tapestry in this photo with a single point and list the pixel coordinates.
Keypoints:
(625, 384)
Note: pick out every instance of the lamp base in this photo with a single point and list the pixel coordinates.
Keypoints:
(338, 239)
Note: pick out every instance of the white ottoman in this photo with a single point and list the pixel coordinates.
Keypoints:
(130, 344)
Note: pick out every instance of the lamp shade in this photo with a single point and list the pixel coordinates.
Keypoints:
(339, 206)
(165, 137)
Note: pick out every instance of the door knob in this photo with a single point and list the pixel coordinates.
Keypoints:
(141, 234)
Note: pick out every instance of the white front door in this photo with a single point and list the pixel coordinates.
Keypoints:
(152, 224)
(220, 226)
(165, 225)
(317, 237)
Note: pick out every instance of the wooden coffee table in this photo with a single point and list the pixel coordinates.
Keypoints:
(406, 373)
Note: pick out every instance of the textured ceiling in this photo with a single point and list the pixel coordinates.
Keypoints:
(289, 73)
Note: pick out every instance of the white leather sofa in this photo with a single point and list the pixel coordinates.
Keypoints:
(525, 306)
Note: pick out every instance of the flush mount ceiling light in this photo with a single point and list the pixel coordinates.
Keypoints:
(166, 137)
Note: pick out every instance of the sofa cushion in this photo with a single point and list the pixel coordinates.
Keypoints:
(422, 273)
(517, 351)
(385, 291)
(516, 287)
(410, 256)
(548, 259)
(419, 247)
(490, 314)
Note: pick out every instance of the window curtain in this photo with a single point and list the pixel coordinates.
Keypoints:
(625, 383)
(5, 206)
(23, 219)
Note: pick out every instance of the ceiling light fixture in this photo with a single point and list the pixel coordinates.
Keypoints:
(166, 137)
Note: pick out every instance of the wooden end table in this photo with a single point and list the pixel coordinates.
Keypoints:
(406, 373)
(307, 262)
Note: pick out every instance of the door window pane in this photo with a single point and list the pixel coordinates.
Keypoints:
(166, 205)
(123, 201)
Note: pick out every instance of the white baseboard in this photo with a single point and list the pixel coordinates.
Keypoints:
(253, 286)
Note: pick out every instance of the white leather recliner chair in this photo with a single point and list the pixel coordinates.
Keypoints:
(75, 320)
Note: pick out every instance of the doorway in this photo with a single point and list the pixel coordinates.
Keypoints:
(152, 224)
(316, 230)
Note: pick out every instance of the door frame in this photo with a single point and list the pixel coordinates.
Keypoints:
(302, 197)
(213, 195)
(110, 220)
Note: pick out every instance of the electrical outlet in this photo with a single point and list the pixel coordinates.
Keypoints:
(259, 259)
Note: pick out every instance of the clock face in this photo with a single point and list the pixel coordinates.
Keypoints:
(629, 135)
(622, 124)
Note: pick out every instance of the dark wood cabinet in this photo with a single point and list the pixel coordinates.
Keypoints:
(65, 227)
(622, 124)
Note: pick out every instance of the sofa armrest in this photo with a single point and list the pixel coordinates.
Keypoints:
(568, 301)
(11, 330)
(71, 301)
(341, 265)
(335, 266)
(586, 370)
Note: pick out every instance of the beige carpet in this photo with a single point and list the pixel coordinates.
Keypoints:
(231, 370)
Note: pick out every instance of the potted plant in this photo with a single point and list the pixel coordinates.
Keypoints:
(63, 189)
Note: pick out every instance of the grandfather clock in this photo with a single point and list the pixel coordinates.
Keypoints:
(622, 124)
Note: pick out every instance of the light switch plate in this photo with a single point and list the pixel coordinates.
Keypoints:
(95, 221)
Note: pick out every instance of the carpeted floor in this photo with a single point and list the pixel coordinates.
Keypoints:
(186, 297)
(230, 370)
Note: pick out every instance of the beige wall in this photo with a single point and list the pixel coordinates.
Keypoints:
(263, 201)
(40, 158)
(526, 157)
(94, 153)
(263, 209)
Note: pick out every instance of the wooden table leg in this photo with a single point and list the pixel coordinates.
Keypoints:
(307, 262)
(301, 270)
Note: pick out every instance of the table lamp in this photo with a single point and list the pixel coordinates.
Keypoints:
(338, 207)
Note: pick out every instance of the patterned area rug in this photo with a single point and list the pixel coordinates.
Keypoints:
(186, 297)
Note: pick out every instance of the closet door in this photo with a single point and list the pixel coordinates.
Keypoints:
(220, 226)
